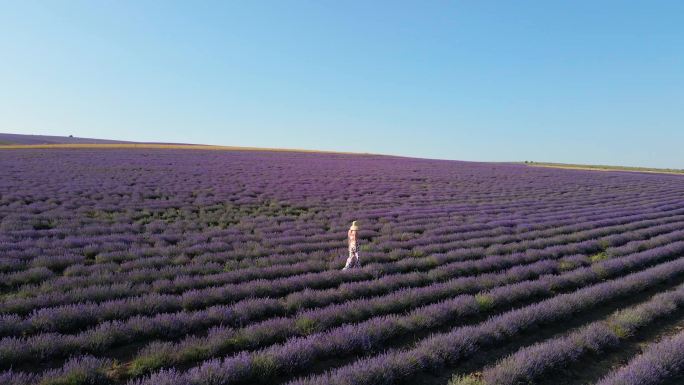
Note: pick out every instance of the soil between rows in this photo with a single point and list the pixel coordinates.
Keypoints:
(593, 367)
(124, 353)
(538, 334)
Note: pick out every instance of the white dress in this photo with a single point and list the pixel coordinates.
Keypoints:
(353, 259)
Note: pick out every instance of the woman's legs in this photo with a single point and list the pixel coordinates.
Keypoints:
(353, 259)
(350, 261)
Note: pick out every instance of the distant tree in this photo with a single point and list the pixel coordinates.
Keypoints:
(71, 136)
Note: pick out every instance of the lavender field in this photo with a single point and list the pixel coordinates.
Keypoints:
(170, 267)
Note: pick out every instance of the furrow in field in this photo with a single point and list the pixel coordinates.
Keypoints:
(460, 343)
(372, 334)
(70, 317)
(529, 364)
(334, 278)
(241, 276)
(25, 292)
(661, 363)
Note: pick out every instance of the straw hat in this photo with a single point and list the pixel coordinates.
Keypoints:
(354, 226)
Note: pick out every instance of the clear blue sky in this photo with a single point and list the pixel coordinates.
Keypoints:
(567, 81)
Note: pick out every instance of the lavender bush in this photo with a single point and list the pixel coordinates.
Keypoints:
(660, 362)
(529, 364)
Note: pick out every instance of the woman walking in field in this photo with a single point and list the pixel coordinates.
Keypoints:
(353, 260)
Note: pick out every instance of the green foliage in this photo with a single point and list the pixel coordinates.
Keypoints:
(305, 325)
(619, 330)
(465, 380)
(231, 265)
(600, 270)
(180, 260)
(148, 363)
(239, 341)
(431, 261)
(77, 377)
(419, 320)
(485, 301)
(195, 353)
(265, 365)
(602, 256)
(70, 379)
(624, 323)
(566, 265)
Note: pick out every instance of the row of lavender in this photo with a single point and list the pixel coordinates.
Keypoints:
(191, 255)
(110, 334)
(658, 232)
(482, 239)
(230, 277)
(157, 326)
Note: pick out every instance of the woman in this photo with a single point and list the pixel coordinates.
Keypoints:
(353, 260)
